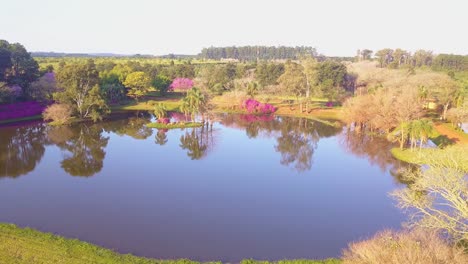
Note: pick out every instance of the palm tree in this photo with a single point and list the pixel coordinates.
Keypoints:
(425, 130)
(160, 110)
(194, 102)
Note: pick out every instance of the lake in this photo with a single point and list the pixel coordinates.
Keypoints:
(259, 187)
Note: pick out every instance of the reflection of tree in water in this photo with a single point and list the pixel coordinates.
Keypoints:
(21, 149)
(298, 140)
(197, 142)
(134, 126)
(375, 149)
(296, 137)
(85, 146)
(161, 137)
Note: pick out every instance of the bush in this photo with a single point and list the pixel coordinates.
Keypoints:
(416, 247)
(59, 113)
(254, 106)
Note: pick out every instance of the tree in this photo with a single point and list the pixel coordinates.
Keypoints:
(17, 67)
(447, 92)
(59, 113)
(311, 73)
(43, 88)
(161, 83)
(195, 102)
(183, 84)
(267, 73)
(438, 194)
(331, 77)
(366, 54)
(384, 57)
(80, 89)
(293, 80)
(252, 89)
(422, 58)
(138, 84)
(399, 56)
(160, 111)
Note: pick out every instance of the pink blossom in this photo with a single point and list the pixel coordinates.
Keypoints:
(183, 84)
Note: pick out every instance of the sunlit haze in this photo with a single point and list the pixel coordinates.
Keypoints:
(334, 27)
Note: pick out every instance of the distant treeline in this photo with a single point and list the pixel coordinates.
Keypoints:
(251, 53)
(44, 54)
(450, 62)
(401, 58)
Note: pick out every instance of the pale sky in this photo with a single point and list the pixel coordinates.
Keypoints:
(334, 27)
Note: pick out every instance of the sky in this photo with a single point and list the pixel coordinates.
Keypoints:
(333, 27)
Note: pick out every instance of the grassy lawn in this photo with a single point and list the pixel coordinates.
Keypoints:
(459, 157)
(28, 246)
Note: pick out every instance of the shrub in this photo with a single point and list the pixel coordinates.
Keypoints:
(416, 247)
(254, 106)
(58, 113)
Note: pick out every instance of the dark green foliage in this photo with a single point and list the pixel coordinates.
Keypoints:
(330, 71)
(267, 73)
(252, 53)
(17, 67)
(161, 83)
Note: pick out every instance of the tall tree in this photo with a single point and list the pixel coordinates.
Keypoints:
(80, 89)
(293, 80)
(138, 84)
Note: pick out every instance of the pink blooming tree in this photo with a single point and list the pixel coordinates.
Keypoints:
(254, 106)
(182, 84)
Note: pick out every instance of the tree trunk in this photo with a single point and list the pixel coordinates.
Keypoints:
(444, 114)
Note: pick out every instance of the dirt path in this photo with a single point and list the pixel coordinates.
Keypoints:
(456, 136)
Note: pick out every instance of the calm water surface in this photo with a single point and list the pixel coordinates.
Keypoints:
(249, 187)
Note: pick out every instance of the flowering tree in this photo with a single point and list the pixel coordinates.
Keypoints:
(254, 106)
(183, 84)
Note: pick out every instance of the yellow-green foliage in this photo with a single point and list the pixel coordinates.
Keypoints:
(452, 156)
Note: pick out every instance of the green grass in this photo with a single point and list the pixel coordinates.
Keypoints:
(28, 246)
(174, 125)
(458, 156)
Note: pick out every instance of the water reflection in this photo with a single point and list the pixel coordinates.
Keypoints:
(161, 137)
(198, 142)
(133, 126)
(21, 149)
(84, 145)
(377, 151)
(296, 138)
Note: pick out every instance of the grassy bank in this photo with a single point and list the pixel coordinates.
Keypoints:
(28, 118)
(25, 245)
(458, 156)
(174, 125)
(28, 246)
